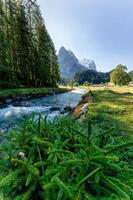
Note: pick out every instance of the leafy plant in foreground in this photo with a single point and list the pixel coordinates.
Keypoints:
(62, 160)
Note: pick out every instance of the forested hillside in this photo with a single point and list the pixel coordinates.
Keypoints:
(27, 53)
(91, 77)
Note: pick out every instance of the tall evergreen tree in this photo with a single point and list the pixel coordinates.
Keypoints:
(27, 52)
(23, 46)
(3, 68)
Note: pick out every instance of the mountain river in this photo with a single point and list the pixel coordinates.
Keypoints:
(50, 106)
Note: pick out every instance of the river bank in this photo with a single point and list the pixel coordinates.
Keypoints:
(8, 96)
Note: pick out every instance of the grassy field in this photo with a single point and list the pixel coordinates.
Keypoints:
(118, 89)
(112, 111)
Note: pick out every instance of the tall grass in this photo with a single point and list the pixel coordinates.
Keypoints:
(64, 160)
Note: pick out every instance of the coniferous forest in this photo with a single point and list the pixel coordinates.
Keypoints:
(27, 53)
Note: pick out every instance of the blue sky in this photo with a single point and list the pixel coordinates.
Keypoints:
(101, 30)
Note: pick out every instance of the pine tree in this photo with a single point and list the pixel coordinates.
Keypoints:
(2, 46)
(23, 46)
(43, 49)
(55, 74)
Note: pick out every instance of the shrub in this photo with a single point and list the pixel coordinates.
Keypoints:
(86, 83)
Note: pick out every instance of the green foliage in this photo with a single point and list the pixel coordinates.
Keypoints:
(131, 75)
(75, 84)
(119, 76)
(64, 81)
(86, 83)
(71, 84)
(4, 85)
(63, 159)
(27, 53)
(91, 77)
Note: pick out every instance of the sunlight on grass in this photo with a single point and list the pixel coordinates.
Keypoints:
(112, 109)
(123, 89)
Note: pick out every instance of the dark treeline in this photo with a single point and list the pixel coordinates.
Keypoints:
(27, 53)
(92, 77)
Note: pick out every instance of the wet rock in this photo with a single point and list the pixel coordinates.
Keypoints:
(18, 98)
(7, 101)
(68, 109)
(21, 104)
(62, 112)
(55, 109)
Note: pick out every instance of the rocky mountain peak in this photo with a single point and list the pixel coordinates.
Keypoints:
(90, 64)
(69, 63)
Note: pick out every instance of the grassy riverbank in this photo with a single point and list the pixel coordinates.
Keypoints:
(69, 159)
(28, 91)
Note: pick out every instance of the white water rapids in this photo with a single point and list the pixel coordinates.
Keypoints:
(15, 112)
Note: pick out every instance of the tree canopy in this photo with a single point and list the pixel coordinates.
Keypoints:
(131, 75)
(119, 76)
(91, 77)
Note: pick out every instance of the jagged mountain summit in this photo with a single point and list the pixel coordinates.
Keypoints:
(90, 64)
(70, 65)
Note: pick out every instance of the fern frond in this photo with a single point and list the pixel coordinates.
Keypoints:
(64, 187)
(26, 195)
(119, 147)
(41, 142)
(6, 180)
(115, 188)
(88, 176)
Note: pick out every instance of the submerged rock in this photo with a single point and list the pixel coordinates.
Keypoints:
(62, 112)
(55, 109)
(9, 100)
(68, 109)
(21, 104)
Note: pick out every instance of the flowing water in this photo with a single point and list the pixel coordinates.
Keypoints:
(50, 106)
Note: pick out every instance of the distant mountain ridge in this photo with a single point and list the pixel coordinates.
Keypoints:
(89, 64)
(70, 65)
